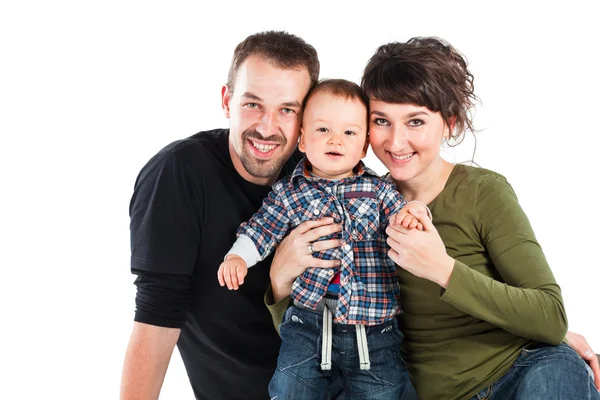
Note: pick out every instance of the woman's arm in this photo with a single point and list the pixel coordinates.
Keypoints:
(527, 303)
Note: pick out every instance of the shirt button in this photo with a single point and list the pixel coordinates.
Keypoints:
(362, 209)
(316, 212)
(330, 272)
(347, 247)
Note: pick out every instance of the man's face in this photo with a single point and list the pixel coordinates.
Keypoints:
(264, 117)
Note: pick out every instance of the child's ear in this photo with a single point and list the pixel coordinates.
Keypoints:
(365, 147)
(301, 145)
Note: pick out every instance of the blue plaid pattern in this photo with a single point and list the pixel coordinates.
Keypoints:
(362, 203)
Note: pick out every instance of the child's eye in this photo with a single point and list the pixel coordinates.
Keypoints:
(322, 130)
(349, 133)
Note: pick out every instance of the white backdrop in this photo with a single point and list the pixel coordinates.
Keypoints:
(89, 91)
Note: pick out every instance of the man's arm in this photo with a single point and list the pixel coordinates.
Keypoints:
(146, 360)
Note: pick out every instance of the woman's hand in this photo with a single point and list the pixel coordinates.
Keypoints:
(422, 253)
(581, 346)
(292, 256)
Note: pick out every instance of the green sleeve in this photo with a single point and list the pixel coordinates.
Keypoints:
(528, 301)
(277, 309)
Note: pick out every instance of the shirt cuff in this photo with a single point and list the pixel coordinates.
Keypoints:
(244, 247)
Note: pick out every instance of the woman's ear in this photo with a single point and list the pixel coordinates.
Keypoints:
(452, 122)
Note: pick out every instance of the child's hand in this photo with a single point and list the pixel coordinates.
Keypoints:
(232, 272)
(407, 220)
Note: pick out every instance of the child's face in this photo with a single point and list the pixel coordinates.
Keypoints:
(334, 134)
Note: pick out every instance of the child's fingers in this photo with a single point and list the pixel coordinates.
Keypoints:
(413, 223)
(234, 280)
(241, 273)
(220, 276)
(419, 226)
(227, 274)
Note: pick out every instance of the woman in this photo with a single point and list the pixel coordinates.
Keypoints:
(483, 315)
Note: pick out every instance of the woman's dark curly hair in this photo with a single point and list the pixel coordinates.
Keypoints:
(425, 71)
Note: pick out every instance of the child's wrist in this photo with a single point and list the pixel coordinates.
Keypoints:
(424, 205)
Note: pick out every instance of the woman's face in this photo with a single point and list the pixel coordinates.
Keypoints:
(406, 137)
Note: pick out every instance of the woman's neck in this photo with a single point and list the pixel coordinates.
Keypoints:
(429, 184)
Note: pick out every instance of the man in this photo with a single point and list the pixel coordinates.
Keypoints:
(188, 201)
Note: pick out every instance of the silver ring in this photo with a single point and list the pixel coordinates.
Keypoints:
(311, 249)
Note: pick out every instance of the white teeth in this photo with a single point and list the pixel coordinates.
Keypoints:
(405, 157)
(263, 147)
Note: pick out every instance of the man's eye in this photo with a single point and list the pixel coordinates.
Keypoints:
(252, 105)
(287, 111)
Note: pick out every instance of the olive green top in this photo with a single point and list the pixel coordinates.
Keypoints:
(501, 298)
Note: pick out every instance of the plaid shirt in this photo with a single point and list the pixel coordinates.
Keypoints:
(362, 203)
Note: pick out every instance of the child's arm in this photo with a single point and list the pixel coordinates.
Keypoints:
(407, 220)
(256, 239)
(232, 271)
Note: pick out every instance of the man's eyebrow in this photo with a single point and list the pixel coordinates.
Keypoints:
(292, 104)
(250, 96)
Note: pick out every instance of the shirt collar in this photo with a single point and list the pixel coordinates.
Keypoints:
(304, 167)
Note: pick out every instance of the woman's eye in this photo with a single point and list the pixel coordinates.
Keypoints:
(381, 121)
(416, 122)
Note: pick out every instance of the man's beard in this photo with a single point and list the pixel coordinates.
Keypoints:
(257, 167)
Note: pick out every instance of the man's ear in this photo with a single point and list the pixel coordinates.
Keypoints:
(301, 145)
(448, 132)
(225, 98)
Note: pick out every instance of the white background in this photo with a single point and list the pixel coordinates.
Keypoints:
(89, 91)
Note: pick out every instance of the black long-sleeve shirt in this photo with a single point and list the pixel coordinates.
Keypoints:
(187, 205)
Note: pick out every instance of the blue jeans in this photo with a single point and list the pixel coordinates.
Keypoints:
(299, 376)
(545, 372)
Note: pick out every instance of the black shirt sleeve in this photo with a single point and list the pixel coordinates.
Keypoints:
(165, 235)
(165, 225)
(162, 299)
